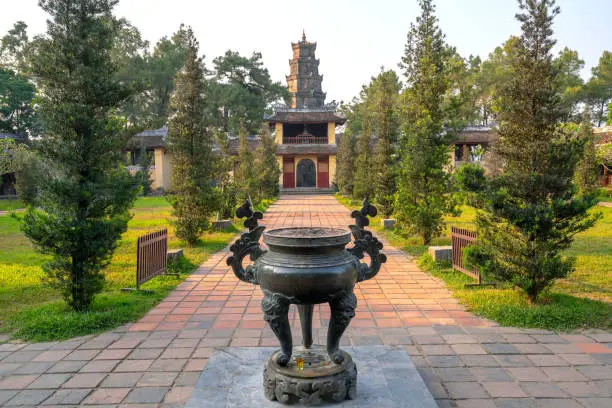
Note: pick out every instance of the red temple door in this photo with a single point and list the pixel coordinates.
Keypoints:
(288, 172)
(323, 172)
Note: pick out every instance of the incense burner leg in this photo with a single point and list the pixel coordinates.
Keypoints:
(306, 323)
(276, 308)
(342, 311)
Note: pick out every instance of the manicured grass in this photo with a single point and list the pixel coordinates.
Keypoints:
(584, 297)
(10, 204)
(510, 307)
(32, 310)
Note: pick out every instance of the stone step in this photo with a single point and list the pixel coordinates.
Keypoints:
(306, 190)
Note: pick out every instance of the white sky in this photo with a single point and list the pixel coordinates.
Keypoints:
(355, 38)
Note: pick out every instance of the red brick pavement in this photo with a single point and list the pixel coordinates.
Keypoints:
(465, 361)
(400, 296)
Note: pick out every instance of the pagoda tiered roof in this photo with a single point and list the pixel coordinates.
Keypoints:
(323, 114)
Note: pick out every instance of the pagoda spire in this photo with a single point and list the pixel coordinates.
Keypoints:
(304, 80)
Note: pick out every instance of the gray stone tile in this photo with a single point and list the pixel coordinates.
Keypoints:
(500, 348)
(85, 380)
(29, 397)
(146, 395)
(557, 403)
(157, 379)
(596, 402)
(479, 361)
(543, 390)
(67, 397)
(67, 367)
(584, 389)
(512, 360)
(21, 357)
(516, 403)
(187, 379)
(597, 372)
(9, 368)
(455, 374)
(34, 367)
(445, 361)
(145, 354)
(118, 380)
(461, 390)
(6, 395)
(563, 374)
(490, 374)
(50, 381)
(99, 366)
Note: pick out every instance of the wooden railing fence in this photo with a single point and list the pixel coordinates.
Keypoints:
(302, 139)
(461, 238)
(151, 256)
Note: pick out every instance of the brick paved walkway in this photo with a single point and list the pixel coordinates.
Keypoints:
(465, 361)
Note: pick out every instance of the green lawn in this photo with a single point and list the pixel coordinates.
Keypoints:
(31, 310)
(10, 204)
(583, 299)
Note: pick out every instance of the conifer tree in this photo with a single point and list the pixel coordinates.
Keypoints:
(363, 180)
(143, 175)
(422, 196)
(586, 170)
(345, 172)
(190, 142)
(245, 172)
(530, 212)
(268, 171)
(383, 93)
(84, 200)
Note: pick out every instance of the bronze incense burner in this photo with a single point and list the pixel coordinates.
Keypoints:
(307, 266)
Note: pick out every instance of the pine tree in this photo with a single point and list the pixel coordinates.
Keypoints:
(245, 174)
(587, 168)
(363, 181)
(268, 171)
(143, 175)
(530, 212)
(423, 183)
(190, 143)
(84, 200)
(345, 172)
(382, 103)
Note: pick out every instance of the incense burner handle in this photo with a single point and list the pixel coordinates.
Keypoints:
(366, 243)
(247, 244)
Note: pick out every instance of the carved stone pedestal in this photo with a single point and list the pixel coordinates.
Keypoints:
(318, 380)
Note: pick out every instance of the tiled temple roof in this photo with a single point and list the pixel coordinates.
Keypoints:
(306, 116)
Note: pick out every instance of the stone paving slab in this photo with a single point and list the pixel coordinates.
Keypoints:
(459, 356)
(386, 378)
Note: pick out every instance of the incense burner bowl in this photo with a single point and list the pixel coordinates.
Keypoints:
(307, 266)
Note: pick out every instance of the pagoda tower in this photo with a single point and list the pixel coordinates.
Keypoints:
(304, 81)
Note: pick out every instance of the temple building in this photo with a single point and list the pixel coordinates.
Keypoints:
(305, 131)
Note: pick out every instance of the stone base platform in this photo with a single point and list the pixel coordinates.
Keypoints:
(233, 378)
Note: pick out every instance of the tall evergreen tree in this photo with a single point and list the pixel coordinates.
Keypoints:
(245, 171)
(530, 212)
(586, 170)
(423, 183)
(84, 201)
(363, 181)
(598, 90)
(382, 103)
(190, 142)
(345, 172)
(143, 175)
(268, 171)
